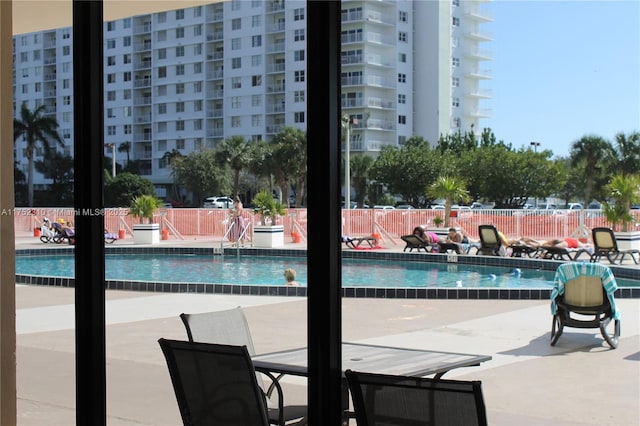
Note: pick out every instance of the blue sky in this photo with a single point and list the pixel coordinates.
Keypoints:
(562, 70)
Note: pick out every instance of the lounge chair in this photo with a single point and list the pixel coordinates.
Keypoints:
(355, 242)
(414, 242)
(490, 241)
(561, 253)
(215, 384)
(582, 297)
(230, 327)
(380, 399)
(606, 245)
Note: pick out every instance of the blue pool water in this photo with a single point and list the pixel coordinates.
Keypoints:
(259, 270)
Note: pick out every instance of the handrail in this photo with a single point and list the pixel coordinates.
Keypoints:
(172, 228)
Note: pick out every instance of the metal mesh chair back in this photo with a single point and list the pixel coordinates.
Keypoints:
(228, 327)
(385, 400)
(214, 384)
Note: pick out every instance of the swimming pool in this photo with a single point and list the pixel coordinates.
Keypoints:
(265, 270)
(363, 276)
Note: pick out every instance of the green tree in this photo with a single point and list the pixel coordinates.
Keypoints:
(360, 165)
(595, 156)
(406, 170)
(125, 147)
(35, 127)
(170, 157)
(625, 191)
(286, 159)
(452, 189)
(59, 168)
(628, 149)
(235, 153)
(202, 174)
(119, 191)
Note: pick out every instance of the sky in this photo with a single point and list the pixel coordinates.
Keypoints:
(561, 69)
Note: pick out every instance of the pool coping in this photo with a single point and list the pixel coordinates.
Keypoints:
(358, 292)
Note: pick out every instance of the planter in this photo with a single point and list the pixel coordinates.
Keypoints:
(146, 233)
(268, 236)
(628, 240)
(440, 232)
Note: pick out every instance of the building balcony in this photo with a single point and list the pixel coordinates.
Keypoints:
(275, 88)
(275, 47)
(479, 15)
(142, 82)
(215, 16)
(480, 113)
(480, 54)
(215, 94)
(480, 74)
(481, 94)
(142, 28)
(141, 47)
(271, 68)
(479, 35)
(138, 65)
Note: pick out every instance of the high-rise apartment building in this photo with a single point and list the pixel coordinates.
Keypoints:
(189, 78)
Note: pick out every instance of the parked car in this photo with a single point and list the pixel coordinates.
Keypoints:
(217, 203)
(405, 207)
(574, 206)
(381, 207)
(547, 207)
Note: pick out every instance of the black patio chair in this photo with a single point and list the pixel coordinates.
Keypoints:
(388, 400)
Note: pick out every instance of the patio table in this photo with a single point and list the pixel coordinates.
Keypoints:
(372, 359)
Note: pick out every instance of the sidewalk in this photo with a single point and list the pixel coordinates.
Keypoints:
(578, 382)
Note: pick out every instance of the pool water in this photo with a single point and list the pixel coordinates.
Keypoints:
(264, 270)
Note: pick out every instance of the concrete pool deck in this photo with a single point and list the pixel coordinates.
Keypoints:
(580, 381)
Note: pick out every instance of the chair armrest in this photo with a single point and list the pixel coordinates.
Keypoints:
(274, 384)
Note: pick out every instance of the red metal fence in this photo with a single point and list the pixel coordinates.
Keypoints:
(389, 224)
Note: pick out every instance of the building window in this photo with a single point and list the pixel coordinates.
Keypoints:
(236, 24)
(298, 14)
(236, 43)
(256, 100)
(111, 44)
(298, 76)
(179, 88)
(162, 17)
(455, 62)
(126, 41)
(236, 82)
(126, 111)
(162, 72)
(179, 125)
(402, 36)
(236, 121)
(197, 68)
(298, 55)
(298, 35)
(197, 49)
(127, 129)
(179, 14)
(127, 76)
(235, 102)
(180, 69)
(162, 127)
(179, 51)
(402, 99)
(111, 78)
(455, 102)
(256, 60)
(402, 119)
(256, 80)
(126, 58)
(256, 120)
(179, 106)
(197, 30)
(455, 82)
(179, 143)
(180, 32)
(162, 53)
(402, 57)
(298, 117)
(197, 105)
(126, 23)
(162, 90)
(111, 95)
(236, 63)
(111, 130)
(256, 21)
(162, 109)
(111, 26)
(197, 11)
(162, 35)
(197, 124)
(402, 78)
(455, 21)
(256, 41)
(110, 113)
(126, 94)
(402, 16)
(66, 50)
(457, 123)
(197, 87)
(298, 96)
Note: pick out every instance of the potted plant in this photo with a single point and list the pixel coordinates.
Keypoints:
(437, 221)
(623, 191)
(268, 233)
(143, 207)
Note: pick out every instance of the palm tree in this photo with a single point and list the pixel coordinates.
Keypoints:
(592, 154)
(35, 127)
(629, 152)
(236, 153)
(625, 190)
(170, 157)
(125, 147)
(452, 190)
(360, 165)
